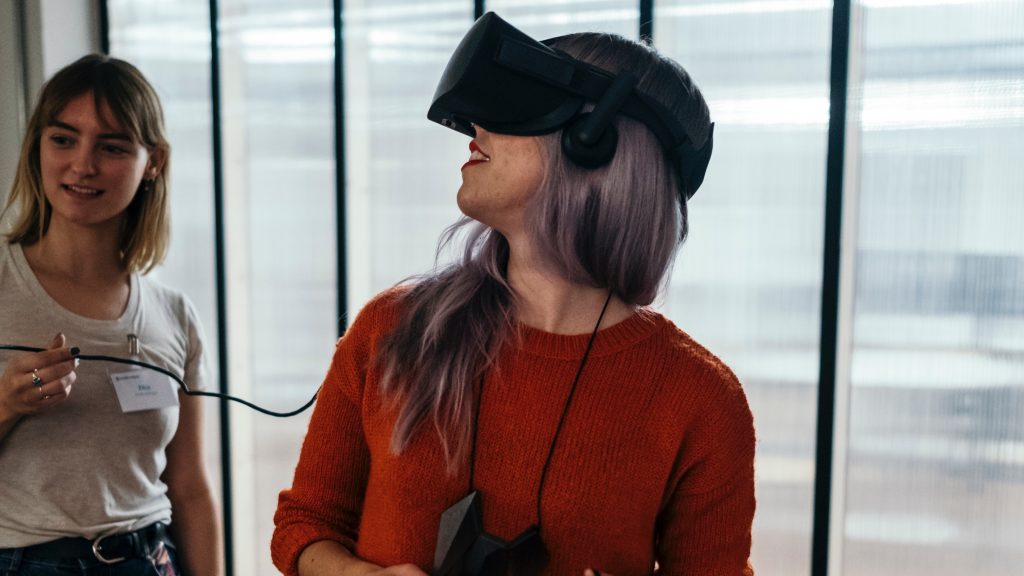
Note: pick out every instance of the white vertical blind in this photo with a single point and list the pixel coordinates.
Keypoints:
(277, 98)
(935, 477)
(933, 482)
(747, 283)
(170, 44)
(402, 170)
(544, 19)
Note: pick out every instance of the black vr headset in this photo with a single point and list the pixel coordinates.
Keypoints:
(503, 80)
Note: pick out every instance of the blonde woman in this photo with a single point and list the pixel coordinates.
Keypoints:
(98, 474)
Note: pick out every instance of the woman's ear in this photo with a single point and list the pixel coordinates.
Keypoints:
(157, 161)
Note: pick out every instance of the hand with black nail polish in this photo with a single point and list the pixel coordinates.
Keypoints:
(35, 382)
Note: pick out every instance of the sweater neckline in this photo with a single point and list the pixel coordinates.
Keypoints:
(637, 327)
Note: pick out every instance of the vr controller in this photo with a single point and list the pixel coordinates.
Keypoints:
(464, 549)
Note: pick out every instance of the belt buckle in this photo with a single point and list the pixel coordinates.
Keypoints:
(99, 556)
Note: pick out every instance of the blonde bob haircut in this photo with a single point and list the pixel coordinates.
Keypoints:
(120, 87)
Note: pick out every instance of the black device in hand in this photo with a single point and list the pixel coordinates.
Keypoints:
(464, 549)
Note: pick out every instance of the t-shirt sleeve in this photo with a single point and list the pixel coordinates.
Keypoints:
(325, 500)
(705, 527)
(197, 368)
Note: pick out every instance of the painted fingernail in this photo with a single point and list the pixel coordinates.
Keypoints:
(75, 351)
(77, 361)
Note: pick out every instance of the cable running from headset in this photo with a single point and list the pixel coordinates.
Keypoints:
(181, 383)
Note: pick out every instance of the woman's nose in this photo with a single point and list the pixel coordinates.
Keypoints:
(84, 162)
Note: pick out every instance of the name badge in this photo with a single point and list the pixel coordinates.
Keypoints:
(144, 390)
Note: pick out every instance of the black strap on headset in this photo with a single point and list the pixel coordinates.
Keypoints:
(592, 83)
(591, 128)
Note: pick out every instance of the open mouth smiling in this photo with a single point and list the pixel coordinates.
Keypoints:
(476, 155)
(81, 191)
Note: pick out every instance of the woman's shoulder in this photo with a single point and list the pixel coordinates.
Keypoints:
(14, 291)
(6, 255)
(16, 277)
(704, 397)
(155, 294)
(381, 313)
(692, 364)
(388, 301)
(8, 252)
(693, 352)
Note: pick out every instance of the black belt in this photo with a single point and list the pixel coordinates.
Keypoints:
(107, 549)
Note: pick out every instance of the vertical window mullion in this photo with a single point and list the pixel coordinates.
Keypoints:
(647, 20)
(830, 290)
(221, 281)
(339, 153)
(103, 15)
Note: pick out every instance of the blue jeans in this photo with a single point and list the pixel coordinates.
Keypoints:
(162, 562)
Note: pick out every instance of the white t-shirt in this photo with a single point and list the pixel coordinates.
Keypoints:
(85, 468)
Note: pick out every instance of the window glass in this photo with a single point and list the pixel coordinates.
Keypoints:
(935, 479)
(931, 480)
(277, 94)
(402, 170)
(747, 282)
(170, 44)
(543, 20)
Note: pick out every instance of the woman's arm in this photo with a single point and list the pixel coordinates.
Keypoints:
(327, 558)
(317, 519)
(705, 526)
(325, 500)
(195, 525)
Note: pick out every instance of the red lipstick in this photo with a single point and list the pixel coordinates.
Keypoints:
(476, 155)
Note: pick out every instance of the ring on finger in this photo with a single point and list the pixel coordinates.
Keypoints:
(42, 395)
(36, 380)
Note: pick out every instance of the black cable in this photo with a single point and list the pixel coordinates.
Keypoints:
(561, 419)
(176, 378)
(565, 410)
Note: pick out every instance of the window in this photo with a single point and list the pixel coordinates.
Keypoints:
(930, 444)
(747, 283)
(276, 78)
(170, 44)
(402, 170)
(935, 455)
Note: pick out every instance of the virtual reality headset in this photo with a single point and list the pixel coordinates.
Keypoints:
(506, 82)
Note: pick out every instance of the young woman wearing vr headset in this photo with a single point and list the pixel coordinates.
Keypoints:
(524, 411)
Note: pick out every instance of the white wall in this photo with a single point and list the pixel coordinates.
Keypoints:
(12, 101)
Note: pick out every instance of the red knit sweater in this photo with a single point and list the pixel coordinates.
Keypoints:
(654, 463)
